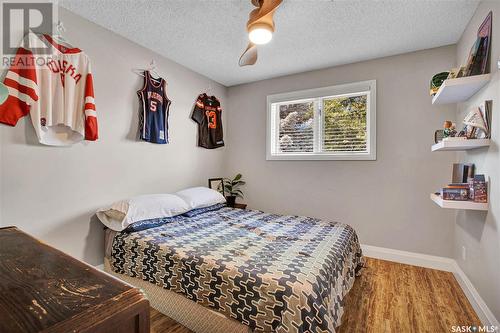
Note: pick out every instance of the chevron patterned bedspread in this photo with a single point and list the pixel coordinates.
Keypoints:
(271, 272)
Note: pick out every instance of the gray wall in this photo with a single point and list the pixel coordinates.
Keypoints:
(479, 231)
(52, 193)
(387, 200)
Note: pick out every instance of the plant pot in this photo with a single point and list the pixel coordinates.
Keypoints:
(231, 200)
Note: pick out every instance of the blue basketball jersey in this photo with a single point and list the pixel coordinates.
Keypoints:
(153, 117)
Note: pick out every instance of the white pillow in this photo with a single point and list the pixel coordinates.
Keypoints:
(123, 213)
(200, 197)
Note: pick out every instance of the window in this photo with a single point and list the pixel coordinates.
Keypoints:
(331, 123)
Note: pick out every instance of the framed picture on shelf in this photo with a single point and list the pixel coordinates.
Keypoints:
(477, 62)
(217, 184)
(462, 172)
(484, 33)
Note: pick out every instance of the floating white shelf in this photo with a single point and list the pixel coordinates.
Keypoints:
(460, 89)
(460, 144)
(458, 204)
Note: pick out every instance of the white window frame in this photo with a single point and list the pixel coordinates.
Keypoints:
(369, 87)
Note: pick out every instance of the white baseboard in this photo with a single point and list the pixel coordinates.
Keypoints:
(441, 263)
(409, 258)
(477, 302)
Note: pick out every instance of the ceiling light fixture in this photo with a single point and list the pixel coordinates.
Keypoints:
(260, 34)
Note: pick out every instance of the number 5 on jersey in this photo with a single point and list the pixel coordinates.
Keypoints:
(153, 106)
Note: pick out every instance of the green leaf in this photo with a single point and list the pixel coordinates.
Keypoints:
(238, 177)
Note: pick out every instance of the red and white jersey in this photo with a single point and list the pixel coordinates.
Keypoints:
(56, 89)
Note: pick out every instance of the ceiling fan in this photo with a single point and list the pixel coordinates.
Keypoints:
(260, 27)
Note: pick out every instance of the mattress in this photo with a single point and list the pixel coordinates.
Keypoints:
(273, 273)
(195, 317)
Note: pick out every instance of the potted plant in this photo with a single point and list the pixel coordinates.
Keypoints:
(232, 189)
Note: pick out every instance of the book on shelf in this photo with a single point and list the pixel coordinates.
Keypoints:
(479, 189)
(475, 190)
(458, 185)
(455, 193)
(485, 111)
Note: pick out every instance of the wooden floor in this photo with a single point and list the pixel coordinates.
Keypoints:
(389, 297)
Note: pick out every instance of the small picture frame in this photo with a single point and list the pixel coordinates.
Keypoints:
(217, 184)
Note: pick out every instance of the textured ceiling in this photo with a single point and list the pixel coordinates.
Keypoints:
(208, 36)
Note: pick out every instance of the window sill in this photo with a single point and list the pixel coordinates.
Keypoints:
(322, 157)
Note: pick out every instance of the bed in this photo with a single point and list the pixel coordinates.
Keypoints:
(239, 270)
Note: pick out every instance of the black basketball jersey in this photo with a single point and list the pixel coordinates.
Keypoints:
(208, 114)
(153, 118)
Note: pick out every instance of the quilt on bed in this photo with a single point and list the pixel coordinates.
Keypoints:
(270, 272)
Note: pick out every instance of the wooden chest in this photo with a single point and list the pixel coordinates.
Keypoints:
(43, 289)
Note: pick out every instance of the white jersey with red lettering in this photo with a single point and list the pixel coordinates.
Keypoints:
(56, 89)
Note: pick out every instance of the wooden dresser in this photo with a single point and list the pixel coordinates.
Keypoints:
(43, 289)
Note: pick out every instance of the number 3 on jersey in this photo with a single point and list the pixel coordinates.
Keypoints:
(212, 119)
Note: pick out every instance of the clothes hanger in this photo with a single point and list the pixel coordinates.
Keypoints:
(57, 32)
(209, 89)
(151, 69)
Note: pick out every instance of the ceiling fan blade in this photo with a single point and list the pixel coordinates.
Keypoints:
(264, 13)
(249, 57)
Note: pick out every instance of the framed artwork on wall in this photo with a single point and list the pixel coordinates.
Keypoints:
(217, 184)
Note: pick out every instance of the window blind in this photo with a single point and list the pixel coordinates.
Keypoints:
(344, 124)
(296, 133)
(322, 125)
